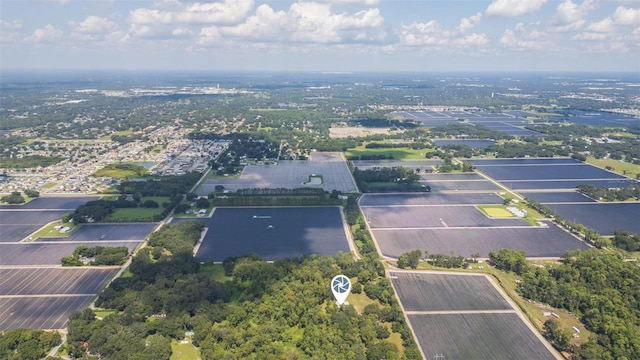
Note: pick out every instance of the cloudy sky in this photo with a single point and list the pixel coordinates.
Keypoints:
(322, 35)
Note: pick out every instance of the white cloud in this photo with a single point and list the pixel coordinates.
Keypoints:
(304, 22)
(570, 16)
(523, 38)
(45, 34)
(432, 36)
(469, 23)
(175, 12)
(626, 16)
(511, 8)
(356, 2)
(93, 25)
(10, 31)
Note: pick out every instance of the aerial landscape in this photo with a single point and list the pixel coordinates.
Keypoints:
(184, 179)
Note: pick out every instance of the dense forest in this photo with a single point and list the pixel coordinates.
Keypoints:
(27, 344)
(253, 310)
(597, 286)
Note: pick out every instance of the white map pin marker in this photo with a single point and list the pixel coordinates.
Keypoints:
(340, 286)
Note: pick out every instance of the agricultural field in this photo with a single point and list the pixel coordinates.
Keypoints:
(465, 316)
(290, 174)
(273, 233)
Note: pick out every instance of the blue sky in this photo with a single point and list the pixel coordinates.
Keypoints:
(321, 35)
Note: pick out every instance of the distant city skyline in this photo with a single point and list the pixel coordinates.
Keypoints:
(322, 35)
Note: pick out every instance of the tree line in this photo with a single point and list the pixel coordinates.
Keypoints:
(598, 286)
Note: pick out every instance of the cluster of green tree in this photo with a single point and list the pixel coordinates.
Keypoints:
(161, 186)
(527, 149)
(388, 179)
(371, 157)
(14, 198)
(9, 143)
(265, 310)
(30, 161)
(448, 166)
(32, 193)
(468, 131)
(626, 241)
(412, 259)
(462, 151)
(631, 192)
(572, 137)
(277, 197)
(589, 235)
(242, 147)
(98, 255)
(383, 123)
(596, 285)
(122, 170)
(27, 344)
(387, 145)
(125, 139)
(98, 210)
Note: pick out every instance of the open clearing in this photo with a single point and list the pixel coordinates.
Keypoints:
(495, 211)
(290, 174)
(273, 233)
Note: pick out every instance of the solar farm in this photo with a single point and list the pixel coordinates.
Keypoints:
(329, 170)
(35, 291)
(508, 123)
(273, 233)
(444, 222)
(465, 316)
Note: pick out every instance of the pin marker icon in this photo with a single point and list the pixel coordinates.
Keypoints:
(340, 286)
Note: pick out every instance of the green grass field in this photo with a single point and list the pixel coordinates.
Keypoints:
(497, 211)
(138, 214)
(103, 313)
(397, 153)
(122, 171)
(184, 351)
(117, 133)
(49, 230)
(619, 167)
(215, 271)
